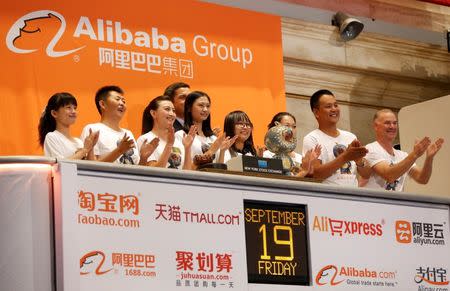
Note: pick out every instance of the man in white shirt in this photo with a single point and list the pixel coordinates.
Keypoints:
(342, 154)
(390, 166)
(178, 93)
(115, 144)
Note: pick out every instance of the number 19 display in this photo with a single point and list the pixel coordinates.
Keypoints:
(277, 243)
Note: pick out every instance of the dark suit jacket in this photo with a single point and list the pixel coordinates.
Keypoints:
(177, 125)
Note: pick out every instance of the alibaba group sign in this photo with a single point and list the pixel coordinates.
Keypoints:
(53, 46)
(29, 24)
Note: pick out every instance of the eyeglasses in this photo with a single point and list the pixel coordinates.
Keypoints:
(244, 124)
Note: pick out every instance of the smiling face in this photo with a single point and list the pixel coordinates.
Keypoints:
(164, 115)
(65, 115)
(114, 106)
(288, 121)
(386, 126)
(243, 129)
(328, 111)
(200, 109)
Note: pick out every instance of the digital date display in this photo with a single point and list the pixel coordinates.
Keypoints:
(276, 243)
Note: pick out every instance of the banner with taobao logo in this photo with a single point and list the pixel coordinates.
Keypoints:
(233, 55)
(145, 232)
(141, 235)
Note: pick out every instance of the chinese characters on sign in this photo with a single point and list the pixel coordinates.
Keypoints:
(141, 62)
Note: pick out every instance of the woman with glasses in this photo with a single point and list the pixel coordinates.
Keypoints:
(238, 126)
(302, 165)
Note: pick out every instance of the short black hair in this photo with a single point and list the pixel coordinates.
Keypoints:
(103, 93)
(172, 88)
(314, 101)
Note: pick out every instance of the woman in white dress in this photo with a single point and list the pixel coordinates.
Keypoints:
(157, 129)
(54, 130)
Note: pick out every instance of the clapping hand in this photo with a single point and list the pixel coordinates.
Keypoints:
(434, 147)
(148, 148)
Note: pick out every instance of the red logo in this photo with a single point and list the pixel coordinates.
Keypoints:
(327, 275)
(403, 233)
(93, 262)
(339, 227)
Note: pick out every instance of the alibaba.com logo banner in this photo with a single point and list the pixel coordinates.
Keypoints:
(53, 46)
(353, 276)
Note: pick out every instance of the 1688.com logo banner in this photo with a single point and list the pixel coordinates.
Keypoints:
(142, 47)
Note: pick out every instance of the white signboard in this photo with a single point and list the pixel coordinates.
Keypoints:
(125, 232)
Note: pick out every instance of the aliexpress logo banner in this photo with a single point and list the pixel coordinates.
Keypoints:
(143, 47)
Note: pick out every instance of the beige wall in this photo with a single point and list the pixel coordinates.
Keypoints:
(430, 118)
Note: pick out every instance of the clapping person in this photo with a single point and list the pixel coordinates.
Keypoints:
(54, 130)
(158, 132)
(115, 144)
(390, 166)
(342, 155)
(238, 127)
(197, 112)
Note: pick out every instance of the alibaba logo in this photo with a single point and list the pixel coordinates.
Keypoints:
(29, 24)
(327, 275)
(93, 262)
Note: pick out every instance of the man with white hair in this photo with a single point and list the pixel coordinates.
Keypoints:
(390, 166)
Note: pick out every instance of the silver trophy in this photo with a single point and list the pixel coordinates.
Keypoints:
(280, 140)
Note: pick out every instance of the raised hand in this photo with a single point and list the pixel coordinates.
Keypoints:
(91, 140)
(125, 144)
(227, 143)
(216, 144)
(216, 131)
(188, 138)
(308, 160)
(260, 150)
(148, 148)
(434, 148)
(355, 151)
(170, 135)
(421, 146)
(316, 152)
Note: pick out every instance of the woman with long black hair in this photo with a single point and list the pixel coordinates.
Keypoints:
(54, 130)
